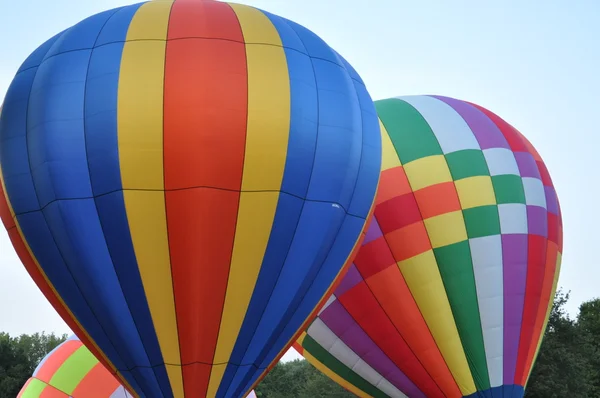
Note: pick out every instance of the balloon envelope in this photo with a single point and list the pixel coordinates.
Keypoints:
(451, 290)
(72, 371)
(184, 182)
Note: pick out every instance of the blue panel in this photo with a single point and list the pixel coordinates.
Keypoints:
(353, 74)
(55, 128)
(76, 229)
(101, 96)
(81, 36)
(113, 218)
(287, 215)
(339, 143)
(36, 57)
(15, 159)
(116, 28)
(315, 46)
(289, 38)
(305, 304)
(505, 391)
(316, 233)
(370, 161)
(303, 125)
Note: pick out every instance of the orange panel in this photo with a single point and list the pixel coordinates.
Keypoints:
(437, 199)
(408, 241)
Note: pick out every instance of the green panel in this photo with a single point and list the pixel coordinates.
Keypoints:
(482, 221)
(467, 163)
(411, 135)
(456, 268)
(508, 189)
(34, 389)
(336, 366)
(73, 370)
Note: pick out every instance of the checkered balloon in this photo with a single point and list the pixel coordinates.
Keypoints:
(451, 291)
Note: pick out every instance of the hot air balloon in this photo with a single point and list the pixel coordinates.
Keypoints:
(184, 181)
(71, 371)
(451, 290)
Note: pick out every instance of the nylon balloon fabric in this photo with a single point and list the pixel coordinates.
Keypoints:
(72, 371)
(452, 288)
(184, 181)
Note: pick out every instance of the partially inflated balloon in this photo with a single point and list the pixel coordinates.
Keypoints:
(72, 371)
(185, 180)
(451, 290)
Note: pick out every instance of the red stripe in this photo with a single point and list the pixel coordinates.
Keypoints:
(51, 392)
(34, 272)
(366, 311)
(536, 267)
(205, 114)
(97, 383)
(551, 255)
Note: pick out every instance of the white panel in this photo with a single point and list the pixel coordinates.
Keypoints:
(451, 130)
(367, 372)
(501, 161)
(534, 192)
(344, 354)
(391, 390)
(513, 218)
(330, 300)
(486, 253)
(322, 334)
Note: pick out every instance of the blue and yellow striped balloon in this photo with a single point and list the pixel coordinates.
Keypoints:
(184, 180)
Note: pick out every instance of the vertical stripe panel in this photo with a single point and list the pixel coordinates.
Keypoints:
(415, 143)
(56, 360)
(140, 141)
(268, 123)
(203, 171)
(455, 260)
(101, 136)
(96, 382)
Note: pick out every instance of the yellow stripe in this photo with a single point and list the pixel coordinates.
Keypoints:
(113, 369)
(548, 311)
(334, 376)
(425, 283)
(140, 127)
(389, 156)
(264, 163)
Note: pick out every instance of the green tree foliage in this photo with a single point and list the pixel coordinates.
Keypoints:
(568, 363)
(19, 357)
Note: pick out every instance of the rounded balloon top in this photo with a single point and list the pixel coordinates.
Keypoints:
(184, 182)
(72, 371)
(451, 290)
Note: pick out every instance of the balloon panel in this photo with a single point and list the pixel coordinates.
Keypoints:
(451, 290)
(71, 371)
(184, 182)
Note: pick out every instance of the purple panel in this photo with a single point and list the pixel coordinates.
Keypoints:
(486, 132)
(351, 279)
(340, 322)
(537, 221)
(373, 232)
(527, 165)
(514, 259)
(551, 200)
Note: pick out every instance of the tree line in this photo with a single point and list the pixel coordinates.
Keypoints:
(568, 364)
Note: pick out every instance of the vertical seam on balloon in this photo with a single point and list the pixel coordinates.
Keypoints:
(411, 294)
(473, 367)
(165, 204)
(470, 251)
(256, 366)
(35, 188)
(460, 338)
(94, 197)
(239, 201)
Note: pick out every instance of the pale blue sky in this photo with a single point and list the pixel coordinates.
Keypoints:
(535, 63)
